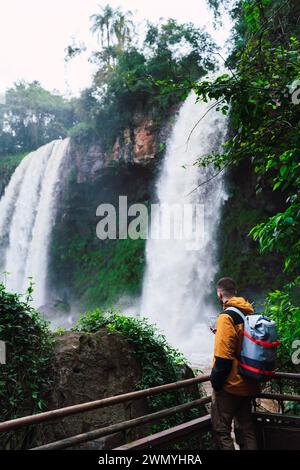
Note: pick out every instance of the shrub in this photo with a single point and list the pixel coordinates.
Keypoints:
(8, 164)
(82, 132)
(283, 307)
(24, 379)
(160, 362)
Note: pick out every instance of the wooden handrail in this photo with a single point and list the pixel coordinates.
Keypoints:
(123, 426)
(169, 435)
(278, 396)
(101, 432)
(97, 404)
(94, 405)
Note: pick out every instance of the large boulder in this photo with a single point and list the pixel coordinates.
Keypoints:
(90, 367)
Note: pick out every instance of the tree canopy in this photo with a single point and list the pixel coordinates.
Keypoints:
(129, 70)
(32, 116)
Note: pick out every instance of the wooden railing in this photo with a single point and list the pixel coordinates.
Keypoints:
(199, 425)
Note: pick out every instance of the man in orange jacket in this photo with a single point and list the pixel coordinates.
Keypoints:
(232, 392)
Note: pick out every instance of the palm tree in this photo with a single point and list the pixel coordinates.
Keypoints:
(112, 24)
(122, 28)
(103, 23)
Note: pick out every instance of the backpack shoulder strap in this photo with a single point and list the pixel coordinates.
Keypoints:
(236, 315)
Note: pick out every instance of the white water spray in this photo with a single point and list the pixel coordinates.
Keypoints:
(27, 211)
(178, 282)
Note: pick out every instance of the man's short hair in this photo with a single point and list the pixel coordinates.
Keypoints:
(227, 285)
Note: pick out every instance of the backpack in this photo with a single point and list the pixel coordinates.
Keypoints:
(257, 359)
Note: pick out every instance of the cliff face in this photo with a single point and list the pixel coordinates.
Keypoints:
(141, 145)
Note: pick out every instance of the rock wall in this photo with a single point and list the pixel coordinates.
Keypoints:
(143, 144)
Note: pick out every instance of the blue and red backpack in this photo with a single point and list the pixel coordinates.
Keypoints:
(258, 354)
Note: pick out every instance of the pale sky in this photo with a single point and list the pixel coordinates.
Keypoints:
(35, 33)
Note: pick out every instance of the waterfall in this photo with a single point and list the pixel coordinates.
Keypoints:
(27, 211)
(177, 287)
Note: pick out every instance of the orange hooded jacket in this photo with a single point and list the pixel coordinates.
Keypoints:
(228, 343)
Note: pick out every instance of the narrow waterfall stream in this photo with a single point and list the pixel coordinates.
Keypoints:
(177, 288)
(27, 211)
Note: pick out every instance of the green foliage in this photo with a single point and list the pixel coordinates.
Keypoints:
(160, 363)
(238, 255)
(24, 379)
(283, 307)
(82, 133)
(281, 234)
(32, 116)
(178, 51)
(8, 164)
(104, 275)
(218, 6)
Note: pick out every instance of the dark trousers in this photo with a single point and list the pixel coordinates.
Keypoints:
(226, 408)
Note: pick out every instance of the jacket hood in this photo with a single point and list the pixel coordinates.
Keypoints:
(240, 303)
